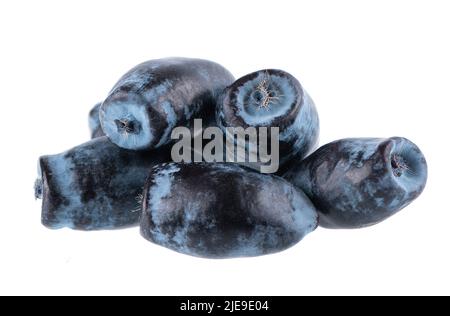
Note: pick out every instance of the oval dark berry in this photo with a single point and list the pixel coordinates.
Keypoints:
(154, 97)
(223, 210)
(272, 98)
(95, 185)
(359, 182)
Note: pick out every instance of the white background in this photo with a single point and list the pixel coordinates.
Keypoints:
(374, 68)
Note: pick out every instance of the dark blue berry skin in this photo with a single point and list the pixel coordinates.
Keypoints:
(94, 186)
(217, 210)
(209, 120)
(359, 182)
(94, 122)
(156, 96)
(272, 98)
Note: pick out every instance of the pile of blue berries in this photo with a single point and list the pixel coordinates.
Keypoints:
(125, 175)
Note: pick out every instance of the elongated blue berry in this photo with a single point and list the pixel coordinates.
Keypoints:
(94, 186)
(154, 97)
(223, 210)
(358, 182)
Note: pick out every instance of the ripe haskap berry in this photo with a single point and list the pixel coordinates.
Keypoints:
(358, 182)
(272, 98)
(95, 185)
(150, 100)
(218, 210)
